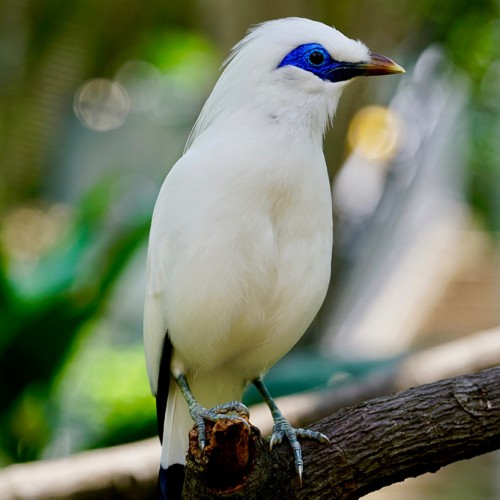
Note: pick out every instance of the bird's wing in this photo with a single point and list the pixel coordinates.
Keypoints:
(155, 331)
(163, 386)
(155, 320)
(157, 345)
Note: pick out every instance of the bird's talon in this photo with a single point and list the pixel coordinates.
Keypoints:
(300, 470)
(308, 434)
(324, 439)
(200, 425)
(245, 423)
(240, 408)
(271, 443)
(276, 438)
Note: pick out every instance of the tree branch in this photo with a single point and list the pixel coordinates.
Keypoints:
(130, 471)
(374, 444)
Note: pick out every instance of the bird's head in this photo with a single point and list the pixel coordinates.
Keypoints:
(290, 69)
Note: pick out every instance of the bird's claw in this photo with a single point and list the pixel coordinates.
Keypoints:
(199, 414)
(308, 434)
(233, 406)
(283, 428)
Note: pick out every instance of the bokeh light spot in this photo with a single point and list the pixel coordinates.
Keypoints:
(375, 133)
(26, 232)
(102, 104)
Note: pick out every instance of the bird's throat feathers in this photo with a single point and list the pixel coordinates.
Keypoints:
(302, 111)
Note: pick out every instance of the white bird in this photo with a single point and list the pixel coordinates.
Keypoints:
(241, 236)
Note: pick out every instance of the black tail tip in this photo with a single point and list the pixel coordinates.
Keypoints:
(170, 482)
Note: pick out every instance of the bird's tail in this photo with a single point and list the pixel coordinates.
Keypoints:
(176, 427)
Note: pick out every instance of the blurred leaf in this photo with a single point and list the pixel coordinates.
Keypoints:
(182, 53)
(103, 396)
(68, 288)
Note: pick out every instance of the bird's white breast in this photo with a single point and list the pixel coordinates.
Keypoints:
(243, 234)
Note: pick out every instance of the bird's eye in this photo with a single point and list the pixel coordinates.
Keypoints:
(316, 58)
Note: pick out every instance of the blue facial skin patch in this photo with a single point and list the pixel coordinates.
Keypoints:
(314, 58)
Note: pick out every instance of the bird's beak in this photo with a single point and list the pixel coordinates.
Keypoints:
(376, 65)
(379, 65)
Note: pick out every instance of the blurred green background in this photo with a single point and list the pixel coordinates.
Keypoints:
(97, 98)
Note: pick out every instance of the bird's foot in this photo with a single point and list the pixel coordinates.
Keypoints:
(282, 428)
(199, 413)
(229, 411)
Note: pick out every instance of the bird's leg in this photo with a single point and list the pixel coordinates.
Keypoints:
(199, 413)
(283, 428)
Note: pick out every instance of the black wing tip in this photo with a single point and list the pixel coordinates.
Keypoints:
(170, 482)
(163, 384)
